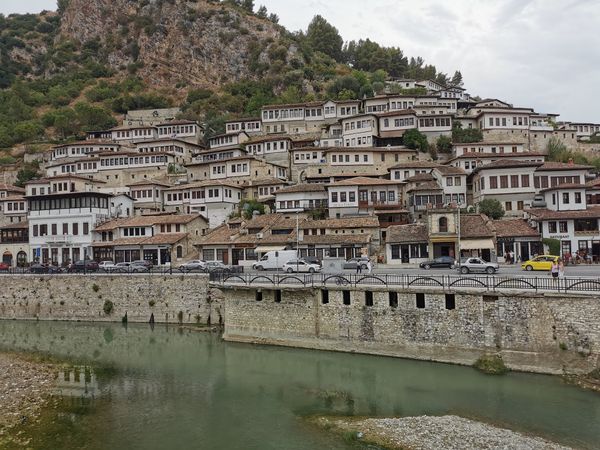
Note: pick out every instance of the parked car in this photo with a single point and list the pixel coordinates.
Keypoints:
(129, 267)
(542, 262)
(312, 260)
(143, 262)
(352, 263)
(274, 259)
(216, 266)
(4, 266)
(446, 262)
(107, 266)
(194, 265)
(84, 266)
(44, 268)
(477, 265)
(300, 265)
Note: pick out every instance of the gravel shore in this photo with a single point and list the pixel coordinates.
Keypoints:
(434, 433)
(25, 387)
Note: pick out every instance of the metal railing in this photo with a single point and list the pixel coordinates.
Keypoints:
(490, 283)
(64, 271)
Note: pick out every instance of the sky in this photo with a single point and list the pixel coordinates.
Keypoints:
(543, 54)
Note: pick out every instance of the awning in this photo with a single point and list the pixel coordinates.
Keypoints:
(476, 244)
(269, 248)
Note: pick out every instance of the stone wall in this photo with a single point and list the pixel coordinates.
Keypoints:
(171, 298)
(553, 333)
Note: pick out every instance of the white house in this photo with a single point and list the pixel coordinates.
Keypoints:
(301, 198)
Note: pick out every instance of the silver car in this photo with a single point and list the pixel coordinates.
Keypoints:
(477, 265)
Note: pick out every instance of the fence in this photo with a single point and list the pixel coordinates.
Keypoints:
(490, 283)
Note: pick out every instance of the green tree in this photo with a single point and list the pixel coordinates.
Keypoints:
(27, 173)
(323, 37)
(444, 144)
(491, 208)
(248, 5)
(414, 139)
(249, 206)
(262, 12)
(457, 79)
(462, 135)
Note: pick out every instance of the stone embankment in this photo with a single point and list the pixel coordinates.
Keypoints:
(25, 388)
(434, 433)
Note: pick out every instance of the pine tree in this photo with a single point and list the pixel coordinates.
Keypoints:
(323, 37)
(457, 79)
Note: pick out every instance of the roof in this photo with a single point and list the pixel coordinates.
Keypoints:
(564, 186)
(514, 228)
(149, 182)
(497, 155)
(475, 226)
(553, 165)
(11, 188)
(177, 122)
(16, 226)
(508, 164)
(62, 177)
(88, 142)
(330, 239)
(365, 181)
(414, 232)
(12, 198)
(401, 112)
(419, 177)
(148, 220)
(264, 182)
(345, 222)
(294, 105)
(458, 144)
(304, 187)
(450, 170)
(200, 184)
(267, 138)
(591, 212)
(166, 139)
(427, 186)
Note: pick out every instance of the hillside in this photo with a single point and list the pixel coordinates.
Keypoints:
(80, 68)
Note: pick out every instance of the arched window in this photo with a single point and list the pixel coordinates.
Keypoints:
(443, 225)
(21, 259)
(179, 251)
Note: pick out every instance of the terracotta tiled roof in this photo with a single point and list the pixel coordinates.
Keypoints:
(264, 182)
(263, 220)
(478, 155)
(111, 224)
(508, 164)
(12, 198)
(304, 187)
(165, 238)
(149, 182)
(414, 232)
(157, 239)
(564, 186)
(427, 186)
(220, 235)
(514, 228)
(11, 188)
(420, 177)
(450, 170)
(553, 165)
(365, 181)
(330, 239)
(16, 226)
(267, 138)
(591, 212)
(345, 222)
(201, 184)
(475, 225)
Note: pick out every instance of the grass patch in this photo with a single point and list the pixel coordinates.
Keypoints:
(491, 364)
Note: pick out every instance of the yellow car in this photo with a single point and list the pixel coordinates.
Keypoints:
(542, 262)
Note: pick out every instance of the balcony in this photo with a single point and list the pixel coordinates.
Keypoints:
(60, 239)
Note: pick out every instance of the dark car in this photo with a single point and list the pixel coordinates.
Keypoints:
(443, 262)
(84, 266)
(216, 266)
(4, 266)
(43, 268)
(142, 262)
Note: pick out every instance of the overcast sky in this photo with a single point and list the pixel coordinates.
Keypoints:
(543, 54)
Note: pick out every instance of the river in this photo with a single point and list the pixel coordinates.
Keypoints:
(171, 388)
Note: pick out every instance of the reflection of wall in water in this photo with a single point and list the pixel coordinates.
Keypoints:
(77, 381)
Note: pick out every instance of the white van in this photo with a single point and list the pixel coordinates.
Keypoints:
(275, 260)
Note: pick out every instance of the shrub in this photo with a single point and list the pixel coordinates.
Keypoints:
(151, 303)
(108, 307)
(491, 208)
(491, 364)
(95, 287)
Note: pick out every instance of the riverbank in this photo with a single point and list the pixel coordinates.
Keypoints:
(25, 388)
(432, 433)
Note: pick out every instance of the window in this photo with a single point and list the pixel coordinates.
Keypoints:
(562, 226)
(503, 181)
(551, 227)
(450, 301)
(520, 205)
(346, 297)
(54, 229)
(86, 228)
(443, 225)
(393, 299)
(524, 180)
(324, 296)
(507, 206)
(514, 181)
(493, 183)
(565, 197)
(577, 197)
(75, 229)
(368, 298)
(420, 297)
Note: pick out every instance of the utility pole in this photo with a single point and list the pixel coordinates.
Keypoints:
(458, 233)
(297, 240)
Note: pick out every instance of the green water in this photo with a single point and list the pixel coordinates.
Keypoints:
(166, 388)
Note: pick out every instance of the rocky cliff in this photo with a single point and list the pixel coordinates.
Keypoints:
(172, 42)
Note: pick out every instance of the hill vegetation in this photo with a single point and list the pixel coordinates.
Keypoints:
(62, 73)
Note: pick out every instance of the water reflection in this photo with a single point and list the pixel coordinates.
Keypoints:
(167, 387)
